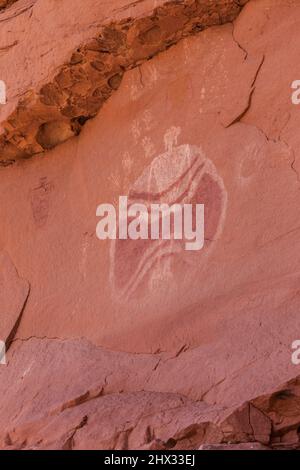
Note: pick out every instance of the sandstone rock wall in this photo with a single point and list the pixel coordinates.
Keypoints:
(190, 99)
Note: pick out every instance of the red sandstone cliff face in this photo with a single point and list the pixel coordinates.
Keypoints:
(189, 99)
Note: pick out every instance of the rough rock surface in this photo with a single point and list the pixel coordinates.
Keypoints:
(192, 350)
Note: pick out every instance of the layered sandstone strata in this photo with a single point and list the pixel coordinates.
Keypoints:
(159, 101)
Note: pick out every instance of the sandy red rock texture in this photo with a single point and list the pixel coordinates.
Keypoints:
(115, 346)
